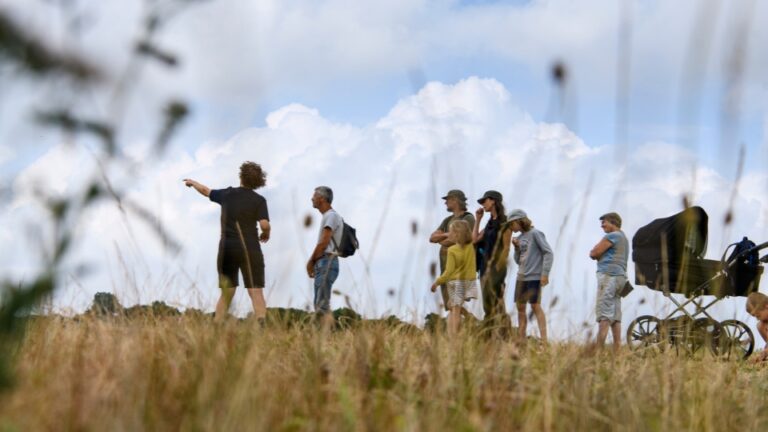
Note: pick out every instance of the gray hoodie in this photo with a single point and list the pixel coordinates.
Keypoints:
(533, 256)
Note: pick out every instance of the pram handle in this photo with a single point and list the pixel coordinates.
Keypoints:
(742, 253)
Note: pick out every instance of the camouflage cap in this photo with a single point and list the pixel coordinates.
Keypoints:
(456, 193)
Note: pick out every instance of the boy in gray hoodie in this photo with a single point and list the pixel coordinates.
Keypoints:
(534, 257)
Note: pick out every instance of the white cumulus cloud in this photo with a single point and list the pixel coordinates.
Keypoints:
(387, 177)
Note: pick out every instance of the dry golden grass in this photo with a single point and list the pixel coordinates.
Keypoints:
(185, 373)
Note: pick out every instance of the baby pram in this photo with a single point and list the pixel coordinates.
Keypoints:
(668, 255)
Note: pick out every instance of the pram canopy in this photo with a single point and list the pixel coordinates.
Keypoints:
(669, 252)
(685, 235)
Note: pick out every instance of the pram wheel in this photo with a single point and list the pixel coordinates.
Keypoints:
(736, 340)
(644, 333)
(703, 333)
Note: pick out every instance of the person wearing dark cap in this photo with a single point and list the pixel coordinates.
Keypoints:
(611, 254)
(492, 283)
(456, 204)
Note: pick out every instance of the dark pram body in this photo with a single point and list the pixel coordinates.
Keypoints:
(669, 257)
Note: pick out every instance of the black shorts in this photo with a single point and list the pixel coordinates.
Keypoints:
(528, 292)
(233, 261)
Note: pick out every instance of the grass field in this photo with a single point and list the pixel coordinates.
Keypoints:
(186, 373)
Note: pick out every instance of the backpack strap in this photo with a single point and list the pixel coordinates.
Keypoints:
(335, 245)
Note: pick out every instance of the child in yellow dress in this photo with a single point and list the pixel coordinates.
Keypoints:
(460, 273)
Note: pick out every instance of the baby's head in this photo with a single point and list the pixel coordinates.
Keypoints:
(460, 233)
(757, 306)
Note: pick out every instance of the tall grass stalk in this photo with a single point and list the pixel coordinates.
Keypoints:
(185, 373)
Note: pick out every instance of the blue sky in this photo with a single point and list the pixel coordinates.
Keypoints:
(356, 94)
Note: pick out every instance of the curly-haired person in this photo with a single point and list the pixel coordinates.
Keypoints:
(243, 213)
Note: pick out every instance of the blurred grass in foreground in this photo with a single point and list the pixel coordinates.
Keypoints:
(185, 373)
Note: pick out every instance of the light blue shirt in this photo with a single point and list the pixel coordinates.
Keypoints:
(614, 261)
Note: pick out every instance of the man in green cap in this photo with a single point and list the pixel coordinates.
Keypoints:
(456, 204)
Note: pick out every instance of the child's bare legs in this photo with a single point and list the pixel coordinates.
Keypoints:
(541, 319)
(522, 320)
(454, 318)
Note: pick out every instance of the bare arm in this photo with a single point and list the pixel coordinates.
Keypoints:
(265, 230)
(203, 189)
(446, 242)
(762, 329)
(477, 233)
(600, 249)
(761, 355)
(438, 236)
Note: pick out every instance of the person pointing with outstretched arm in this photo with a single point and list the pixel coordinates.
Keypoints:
(243, 214)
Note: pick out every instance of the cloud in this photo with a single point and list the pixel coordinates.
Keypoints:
(387, 177)
(53, 174)
(235, 54)
(238, 58)
(6, 153)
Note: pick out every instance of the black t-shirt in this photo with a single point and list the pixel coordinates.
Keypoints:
(486, 244)
(240, 206)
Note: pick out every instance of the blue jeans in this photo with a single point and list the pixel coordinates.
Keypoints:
(326, 272)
